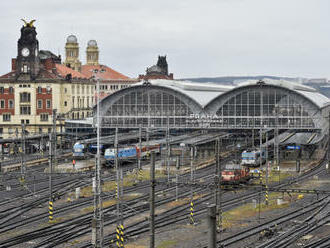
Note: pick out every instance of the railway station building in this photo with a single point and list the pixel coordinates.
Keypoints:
(264, 104)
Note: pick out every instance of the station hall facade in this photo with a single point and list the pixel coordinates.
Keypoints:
(264, 104)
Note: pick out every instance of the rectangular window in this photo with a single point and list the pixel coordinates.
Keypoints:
(11, 104)
(25, 110)
(39, 89)
(6, 117)
(2, 104)
(25, 68)
(27, 121)
(22, 121)
(44, 117)
(11, 90)
(25, 97)
(2, 90)
(39, 103)
(48, 104)
(65, 103)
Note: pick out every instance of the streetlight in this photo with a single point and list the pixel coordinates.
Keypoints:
(182, 145)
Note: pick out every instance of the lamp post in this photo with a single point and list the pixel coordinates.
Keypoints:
(182, 145)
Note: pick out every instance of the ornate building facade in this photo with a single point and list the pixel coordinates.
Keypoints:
(39, 83)
(110, 79)
(158, 71)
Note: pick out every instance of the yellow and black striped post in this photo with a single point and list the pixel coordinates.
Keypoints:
(266, 195)
(121, 235)
(140, 176)
(50, 211)
(118, 237)
(192, 213)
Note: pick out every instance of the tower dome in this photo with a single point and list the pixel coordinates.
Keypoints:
(72, 53)
(72, 39)
(92, 53)
(92, 43)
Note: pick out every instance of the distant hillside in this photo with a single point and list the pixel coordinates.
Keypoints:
(232, 80)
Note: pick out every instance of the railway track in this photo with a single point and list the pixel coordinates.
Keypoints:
(65, 236)
(319, 217)
(144, 198)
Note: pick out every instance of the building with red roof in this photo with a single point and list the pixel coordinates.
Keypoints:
(110, 80)
(37, 84)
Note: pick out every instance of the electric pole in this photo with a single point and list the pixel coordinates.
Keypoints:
(52, 144)
(23, 166)
(192, 221)
(168, 152)
(267, 168)
(97, 222)
(140, 148)
(328, 143)
(277, 148)
(152, 200)
(118, 192)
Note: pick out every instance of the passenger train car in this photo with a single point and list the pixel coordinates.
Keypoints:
(127, 153)
(252, 158)
(79, 151)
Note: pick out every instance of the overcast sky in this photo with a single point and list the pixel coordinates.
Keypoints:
(201, 38)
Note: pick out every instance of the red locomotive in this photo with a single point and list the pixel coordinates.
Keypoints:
(235, 174)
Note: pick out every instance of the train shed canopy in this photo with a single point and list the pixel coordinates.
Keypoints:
(182, 104)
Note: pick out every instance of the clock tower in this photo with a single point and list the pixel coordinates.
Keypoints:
(27, 62)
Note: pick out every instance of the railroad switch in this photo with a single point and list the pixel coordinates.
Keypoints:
(267, 233)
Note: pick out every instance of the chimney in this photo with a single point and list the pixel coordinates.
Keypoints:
(13, 64)
(49, 64)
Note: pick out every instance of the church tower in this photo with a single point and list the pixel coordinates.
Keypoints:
(27, 61)
(92, 53)
(72, 53)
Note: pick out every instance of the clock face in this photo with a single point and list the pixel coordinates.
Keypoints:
(25, 52)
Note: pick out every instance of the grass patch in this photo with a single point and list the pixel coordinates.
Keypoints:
(274, 176)
(128, 181)
(183, 201)
(167, 244)
(233, 216)
(106, 204)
